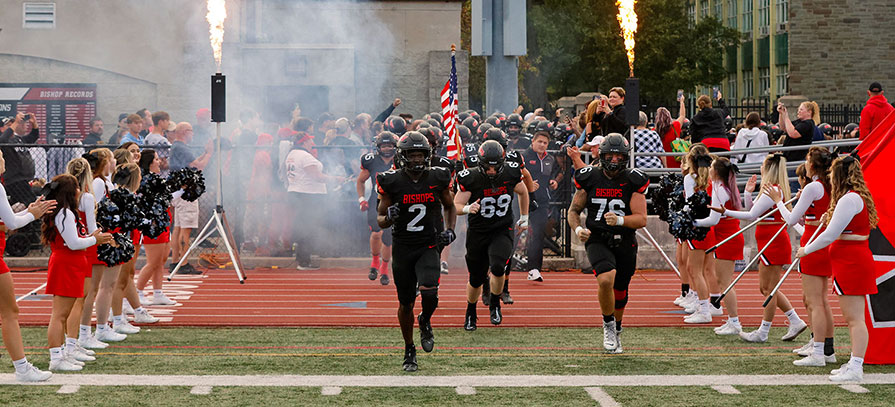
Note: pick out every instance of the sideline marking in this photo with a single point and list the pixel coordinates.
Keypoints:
(200, 390)
(68, 389)
(465, 390)
(331, 391)
(726, 389)
(600, 396)
(855, 388)
(442, 381)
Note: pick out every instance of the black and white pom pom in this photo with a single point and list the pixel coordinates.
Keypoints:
(190, 179)
(699, 204)
(115, 255)
(120, 210)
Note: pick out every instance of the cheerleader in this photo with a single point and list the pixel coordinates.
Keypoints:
(65, 276)
(99, 293)
(80, 169)
(687, 296)
(849, 219)
(9, 310)
(700, 265)
(725, 194)
(773, 175)
(156, 249)
(814, 200)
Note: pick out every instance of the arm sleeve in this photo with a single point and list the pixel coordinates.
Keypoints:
(7, 134)
(32, 136)
(68, 229)
(747, 200)
(689, 186)
(11, 219)
(848, 206)
(723, 107)
(761, 206)
(812, 192)
(717, 201)
(799, 229)
(88, 206)
(385, 113)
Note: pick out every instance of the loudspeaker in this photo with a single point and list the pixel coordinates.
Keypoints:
(632, 101)
(218, 98)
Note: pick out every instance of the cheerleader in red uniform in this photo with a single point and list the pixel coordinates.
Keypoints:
(65, 276)
(725, 194)
(700, 265)
(156, 249)
(773, 175)
(9, 310)
(814, 200)
(849, 219)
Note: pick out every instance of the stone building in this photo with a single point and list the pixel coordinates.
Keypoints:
(344, 57)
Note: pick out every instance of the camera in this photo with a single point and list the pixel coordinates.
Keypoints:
(27, 116)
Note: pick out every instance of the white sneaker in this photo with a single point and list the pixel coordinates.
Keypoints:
(729, 329)
(534, 275)
(841, 368)
(794, 330)
(126, 307)
(162, 299)
(125, 328)
(84, 350)
(33, 374)
(689, 299)
(847, 374)
(811, 360)
(754, 336)
(144, 301)
(110, 336)
(701, 317)
(716, 312)
(618, 341)
(830, 358)
(806, 349)
(143, 317)
(444, 267)
(67, 356)
(74, 353)
(64, 365)
(610, 337)
(692, 307)
(90, 342)
(679, 299)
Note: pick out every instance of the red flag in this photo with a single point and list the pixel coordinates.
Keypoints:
(877, 153)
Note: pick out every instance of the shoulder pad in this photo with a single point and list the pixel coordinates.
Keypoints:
(638, 179)
(384, 180)
(513, 170)
(444, 162)
(584, 176)
(442, 176)
(467, 178)
(514, 156)
(366, 160)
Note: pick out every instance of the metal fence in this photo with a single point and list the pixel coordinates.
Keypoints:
(836, 115)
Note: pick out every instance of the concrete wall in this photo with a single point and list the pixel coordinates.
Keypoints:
(837, 48)
(156, 54)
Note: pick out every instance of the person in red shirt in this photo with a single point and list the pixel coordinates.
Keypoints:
(876, 109)
(670, 130)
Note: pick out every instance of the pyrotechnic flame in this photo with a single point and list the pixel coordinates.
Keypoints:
(627, 19)
(217, 13)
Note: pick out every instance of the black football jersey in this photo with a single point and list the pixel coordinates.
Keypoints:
(496, 197)
(375, 165)
(520, 143)
(605, 194)
(418, 201)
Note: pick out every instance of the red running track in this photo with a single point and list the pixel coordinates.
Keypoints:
(345, 297)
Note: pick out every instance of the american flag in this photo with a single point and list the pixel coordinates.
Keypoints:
(449, 113)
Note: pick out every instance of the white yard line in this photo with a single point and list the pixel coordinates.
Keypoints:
(601, 397)
(443, 381)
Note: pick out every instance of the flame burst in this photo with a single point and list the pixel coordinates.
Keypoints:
(217, 13)
(627, 19)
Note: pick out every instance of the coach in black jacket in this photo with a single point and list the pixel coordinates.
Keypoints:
(19, 164)
(541, 165)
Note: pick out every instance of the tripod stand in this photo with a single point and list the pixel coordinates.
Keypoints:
(217, 223)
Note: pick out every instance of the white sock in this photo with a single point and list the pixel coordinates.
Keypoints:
(765, 327)
(734, 321)
(102, 328)
(21, 365)
(157, 293)
(856, 363)
(818, 349)
(704, 306)
(71, 342)
(792, 316)
(118, 319)
(56, 353)
(84, 331)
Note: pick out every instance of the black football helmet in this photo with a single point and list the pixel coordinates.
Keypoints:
(482, 129)
(462, 116)
(396, 125)
(495, 121)
(410, 142)
(497, 135)
(848, 129)
(475, 115)
(434, 123)
(465, 134)
(545, 126)
(614, 143)
(436, 116)
(514, 125)
(472, 124)
(491, 155)
(383, 139)
(826, 129)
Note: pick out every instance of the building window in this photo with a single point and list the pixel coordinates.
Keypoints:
(718, 13)
(764, 82)
(782, 80)
(747, 16)
(39, 15)
(764, 14)
(782, 11)
(703, 8)
(747, 84)
(732, 87)
(691, 13)
(732, 13)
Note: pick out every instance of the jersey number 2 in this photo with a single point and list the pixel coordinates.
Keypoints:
(412, 225)
(616, 206)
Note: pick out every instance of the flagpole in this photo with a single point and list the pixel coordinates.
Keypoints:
(456, 130)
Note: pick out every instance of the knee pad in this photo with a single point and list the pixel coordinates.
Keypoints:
(499, 269)
(429, 299)
(387, 236)
(621, 298)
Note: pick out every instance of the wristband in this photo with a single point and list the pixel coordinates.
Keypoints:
(578, 229)
(524, 218)
(360, 199)
(621, 220)
(465, 209)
